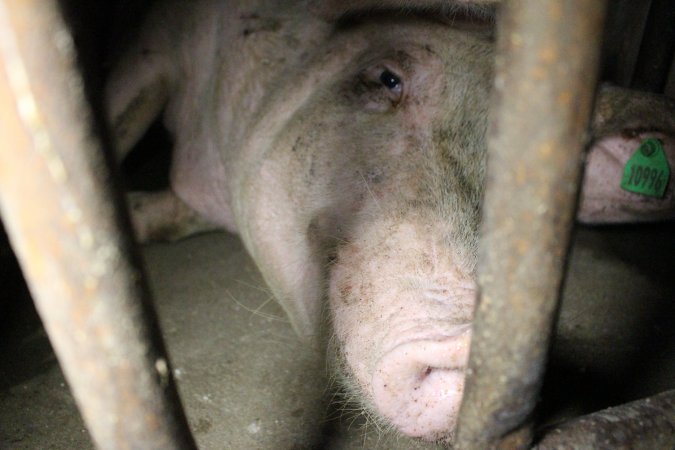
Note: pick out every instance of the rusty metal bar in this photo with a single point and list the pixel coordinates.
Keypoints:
(647, 424)
(64, 221)
(545, 78)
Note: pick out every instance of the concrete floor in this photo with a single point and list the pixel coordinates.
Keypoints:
(247, 382)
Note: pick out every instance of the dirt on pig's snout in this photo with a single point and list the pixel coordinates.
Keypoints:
(401, 311)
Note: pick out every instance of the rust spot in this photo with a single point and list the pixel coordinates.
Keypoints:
(548, 54)
(521, 174)
(564, 98)
(555, 11)
(539, 73)
(545, 149)
(522, 246)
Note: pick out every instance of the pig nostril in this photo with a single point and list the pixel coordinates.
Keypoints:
(418, 385)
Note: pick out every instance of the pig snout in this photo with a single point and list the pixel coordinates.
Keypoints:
(418, 385)
(401, 308)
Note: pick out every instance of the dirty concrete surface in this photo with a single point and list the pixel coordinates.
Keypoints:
(247, 382)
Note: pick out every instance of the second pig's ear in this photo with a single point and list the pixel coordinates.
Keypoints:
(630, 166)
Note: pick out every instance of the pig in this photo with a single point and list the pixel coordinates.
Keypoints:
(350, 159)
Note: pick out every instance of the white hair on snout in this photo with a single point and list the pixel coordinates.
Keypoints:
(347, 404)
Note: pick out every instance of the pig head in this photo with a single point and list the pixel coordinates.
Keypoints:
(370, 193)
(351, 162)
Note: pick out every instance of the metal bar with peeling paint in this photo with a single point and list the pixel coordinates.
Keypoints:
(72, 238)
(546, 74)
(646, 424)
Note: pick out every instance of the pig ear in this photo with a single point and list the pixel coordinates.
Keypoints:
(619, 187)
(630, 166)
(274, 223)
(136, 91)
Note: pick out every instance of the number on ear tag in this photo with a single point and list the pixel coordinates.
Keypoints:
(647, 171)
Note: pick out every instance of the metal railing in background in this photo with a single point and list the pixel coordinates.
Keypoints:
(546, 72)
(73, 242)
(647, 424)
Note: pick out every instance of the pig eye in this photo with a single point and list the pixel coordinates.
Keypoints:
(390, 80)
(378, 88)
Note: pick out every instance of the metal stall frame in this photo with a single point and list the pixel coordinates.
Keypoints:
(546, 75)
(72, 237)
(545, 79)
(647, 424)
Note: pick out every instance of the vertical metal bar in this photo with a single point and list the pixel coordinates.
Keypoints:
(545, 78)
(645, 424)
(56, 199)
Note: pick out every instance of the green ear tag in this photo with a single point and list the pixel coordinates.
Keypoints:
(647, 171)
